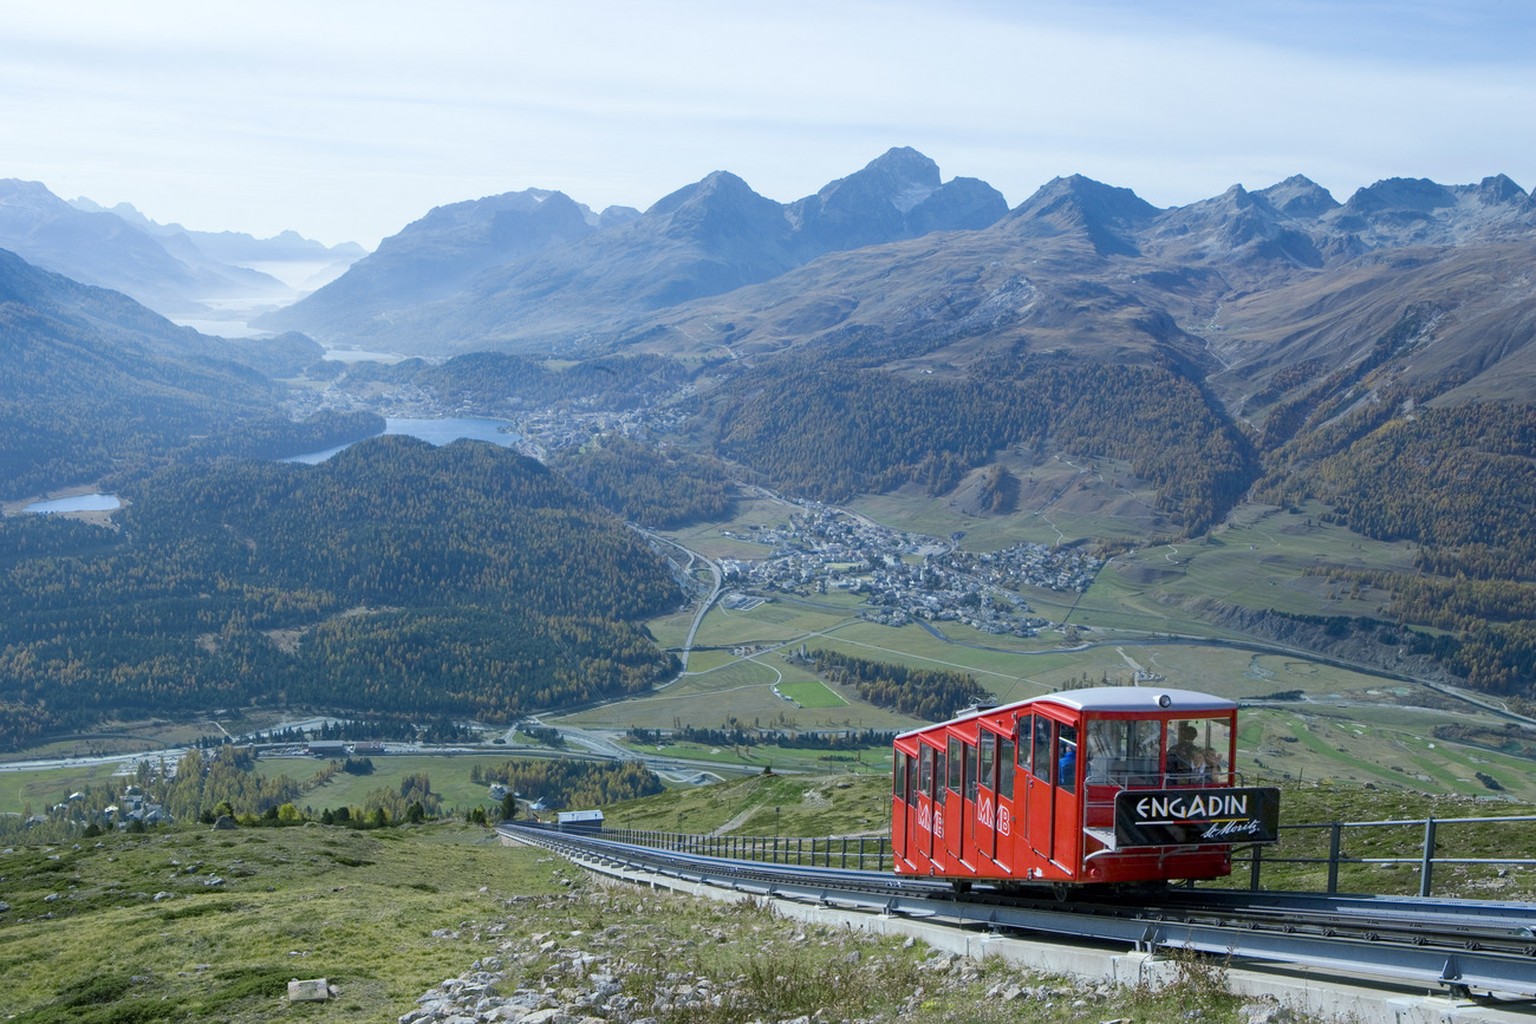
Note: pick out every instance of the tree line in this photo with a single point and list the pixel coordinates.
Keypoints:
(930, 694)
(396, 578)
(741, 736)
(566, 782)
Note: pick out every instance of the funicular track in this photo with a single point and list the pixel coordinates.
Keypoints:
(1460, 947)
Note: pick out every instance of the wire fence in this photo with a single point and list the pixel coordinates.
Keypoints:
(860, 853)
(1396, 856)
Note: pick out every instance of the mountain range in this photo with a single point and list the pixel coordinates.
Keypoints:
(530, 270)
(172, 270)
(1240, 286)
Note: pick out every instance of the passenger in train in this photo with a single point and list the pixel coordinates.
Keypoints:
(1190, 757)
(1066, 768)
(1186, 757)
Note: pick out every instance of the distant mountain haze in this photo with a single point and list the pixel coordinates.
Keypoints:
(176, 272)
(94, 384)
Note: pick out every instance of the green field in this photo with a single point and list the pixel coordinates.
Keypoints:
(35, 790)
(449, 774)
(1260, 559)
(812, 694)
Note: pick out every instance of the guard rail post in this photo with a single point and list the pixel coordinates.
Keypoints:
(1335, 840)
(1426, 868)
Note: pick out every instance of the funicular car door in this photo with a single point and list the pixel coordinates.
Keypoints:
(985, 793)
(1002, 815)
(903, 804)
(1067, 838)
(954, 800)
(955, 811)
(1039, 783)
(936, 836)
(923, 836)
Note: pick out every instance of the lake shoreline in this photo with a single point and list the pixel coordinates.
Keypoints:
(100, 517)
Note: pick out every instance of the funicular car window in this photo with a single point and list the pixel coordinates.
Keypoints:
(956, 764)
(925, 770)
(986, 774)
(1122, 753)
(912, 781)
(900, 782)
(1197, 749)
(1066, 757)
(1026, 741)
(1005, 768)
(970, 771)
(1043, 762)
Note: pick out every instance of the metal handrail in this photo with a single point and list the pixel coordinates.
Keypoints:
(1425, 860)
(873, 853)
(861, 853)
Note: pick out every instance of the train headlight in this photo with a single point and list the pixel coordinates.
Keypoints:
(1163, 700)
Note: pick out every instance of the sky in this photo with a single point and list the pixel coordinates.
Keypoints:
(346, 119)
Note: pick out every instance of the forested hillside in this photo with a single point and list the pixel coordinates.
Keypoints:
(396, 577)
(92, 384)
(651, 486)
(830, 429)
(1459, 481)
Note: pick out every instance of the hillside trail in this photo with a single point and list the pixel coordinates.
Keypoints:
(735, 823)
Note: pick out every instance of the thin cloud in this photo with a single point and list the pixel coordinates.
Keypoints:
(349, 119)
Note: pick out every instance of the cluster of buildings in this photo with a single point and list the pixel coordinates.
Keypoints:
(906, 577)
(134, 805)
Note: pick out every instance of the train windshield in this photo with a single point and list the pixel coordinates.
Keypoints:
(1124, 752)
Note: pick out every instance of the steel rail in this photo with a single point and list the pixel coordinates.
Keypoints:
(1463, 946)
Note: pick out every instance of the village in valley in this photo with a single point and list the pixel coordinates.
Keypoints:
(904, 577)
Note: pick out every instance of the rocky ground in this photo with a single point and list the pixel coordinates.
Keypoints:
(636, 957)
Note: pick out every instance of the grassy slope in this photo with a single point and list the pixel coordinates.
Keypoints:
(358, 908)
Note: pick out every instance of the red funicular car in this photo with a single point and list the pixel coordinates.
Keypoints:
(1102, 785)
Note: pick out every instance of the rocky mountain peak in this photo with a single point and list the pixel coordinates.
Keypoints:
(897, 195)
(715, 187)
(1108, 215)
(1417, 211)
(16, 192)
(1499, 188)
(1233, 228)
(1419, 195)
(906, 176)
(1093, 198)
(1299, 196)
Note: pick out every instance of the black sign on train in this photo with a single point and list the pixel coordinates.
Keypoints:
(1103, 785)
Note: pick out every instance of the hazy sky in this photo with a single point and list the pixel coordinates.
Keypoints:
(346, 119)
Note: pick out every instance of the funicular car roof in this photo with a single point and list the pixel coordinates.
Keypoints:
(1103, 699)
